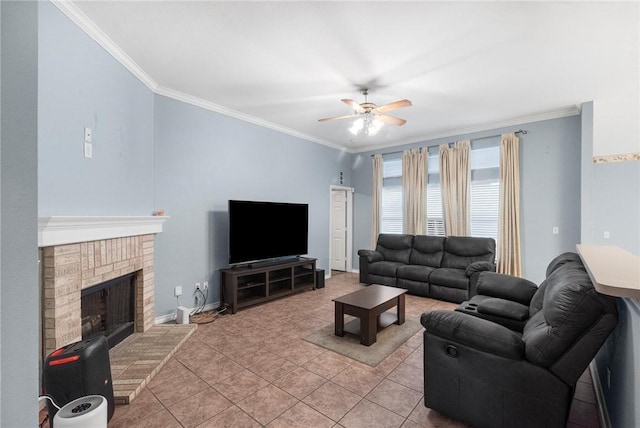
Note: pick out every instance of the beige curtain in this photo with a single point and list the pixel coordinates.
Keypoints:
(376, 202)
(455, 173)
(509, 256)
(414, 188)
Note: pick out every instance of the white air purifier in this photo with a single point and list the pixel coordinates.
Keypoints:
(83, 412)
(182, 315)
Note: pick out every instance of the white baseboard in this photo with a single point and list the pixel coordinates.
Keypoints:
(163, 319)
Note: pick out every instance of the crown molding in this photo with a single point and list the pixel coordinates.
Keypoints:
(572, 110)
(207, 105)
(81, 20)
(89, 27)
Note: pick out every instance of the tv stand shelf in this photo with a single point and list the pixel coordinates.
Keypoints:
(249, 285)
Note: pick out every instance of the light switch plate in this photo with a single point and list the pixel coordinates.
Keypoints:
(88, 150)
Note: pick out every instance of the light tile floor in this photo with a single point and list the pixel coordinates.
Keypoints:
(253, 369)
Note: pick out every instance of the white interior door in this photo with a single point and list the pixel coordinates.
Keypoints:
(339, 230)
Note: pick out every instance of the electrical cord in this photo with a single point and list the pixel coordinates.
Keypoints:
(198, 315)
(200, 302)
(46, 397)
(46, 418)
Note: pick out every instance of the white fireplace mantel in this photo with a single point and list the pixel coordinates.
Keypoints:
(61, 230)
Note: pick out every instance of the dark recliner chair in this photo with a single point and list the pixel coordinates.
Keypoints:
(510, 300)
(488, 375)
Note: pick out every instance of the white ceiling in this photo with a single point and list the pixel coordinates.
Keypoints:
(466, 66)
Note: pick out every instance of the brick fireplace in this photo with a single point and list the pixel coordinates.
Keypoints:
(80, 252)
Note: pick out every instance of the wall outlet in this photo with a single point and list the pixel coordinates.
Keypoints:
(196, 287)
(88, 135)
(177, 291)
(205, 285)
(606, 235)
(554, 230)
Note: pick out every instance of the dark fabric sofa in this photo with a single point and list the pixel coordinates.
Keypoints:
(429, 266)
(488, 375)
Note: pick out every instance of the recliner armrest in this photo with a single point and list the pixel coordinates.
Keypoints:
(506, 287)
(503, 308)
(371, 255)
(474, 332)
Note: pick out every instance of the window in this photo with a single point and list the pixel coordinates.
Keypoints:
(391, 210)
(435, 218)
(484, 192)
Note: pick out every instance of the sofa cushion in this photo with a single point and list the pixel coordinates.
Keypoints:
(461, 251)
(454, 278)
(417, 288)
(395, 247)
(384, 268)
(415, 272)
(427, 250)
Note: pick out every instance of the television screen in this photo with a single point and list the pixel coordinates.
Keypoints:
(266, 230)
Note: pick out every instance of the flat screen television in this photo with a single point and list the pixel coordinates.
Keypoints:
(260, 231)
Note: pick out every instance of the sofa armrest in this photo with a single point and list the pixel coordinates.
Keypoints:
(474, 332)
(371, 255)
(506, 287)
(479, 267)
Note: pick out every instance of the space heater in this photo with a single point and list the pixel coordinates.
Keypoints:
(78, 370)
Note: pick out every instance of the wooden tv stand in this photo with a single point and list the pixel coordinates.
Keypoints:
(260, 282)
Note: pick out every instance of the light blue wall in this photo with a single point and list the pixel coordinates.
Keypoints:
(620, 356)
(611, 202)
(151, 152)
(80, 85)
(19, 291)
(550, 190)
(203, 159)
(616, 204)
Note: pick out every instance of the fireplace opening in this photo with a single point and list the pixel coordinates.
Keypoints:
(108, 309)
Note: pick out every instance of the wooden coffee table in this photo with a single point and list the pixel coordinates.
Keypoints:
(368, 306)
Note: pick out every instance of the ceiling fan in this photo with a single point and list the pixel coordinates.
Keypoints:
(370, 116)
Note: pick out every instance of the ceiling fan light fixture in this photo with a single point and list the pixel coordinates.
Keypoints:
(373, 126)
(357, 126)
(370, 117)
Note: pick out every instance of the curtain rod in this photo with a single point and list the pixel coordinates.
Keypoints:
(519, 131)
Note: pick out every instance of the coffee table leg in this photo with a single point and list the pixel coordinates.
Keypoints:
(401, 309)
(368, 328)
(339, 321)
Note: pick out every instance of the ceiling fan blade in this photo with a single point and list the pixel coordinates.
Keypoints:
(337, 117)
(354, 105)
(393, 106)
(391, 119)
